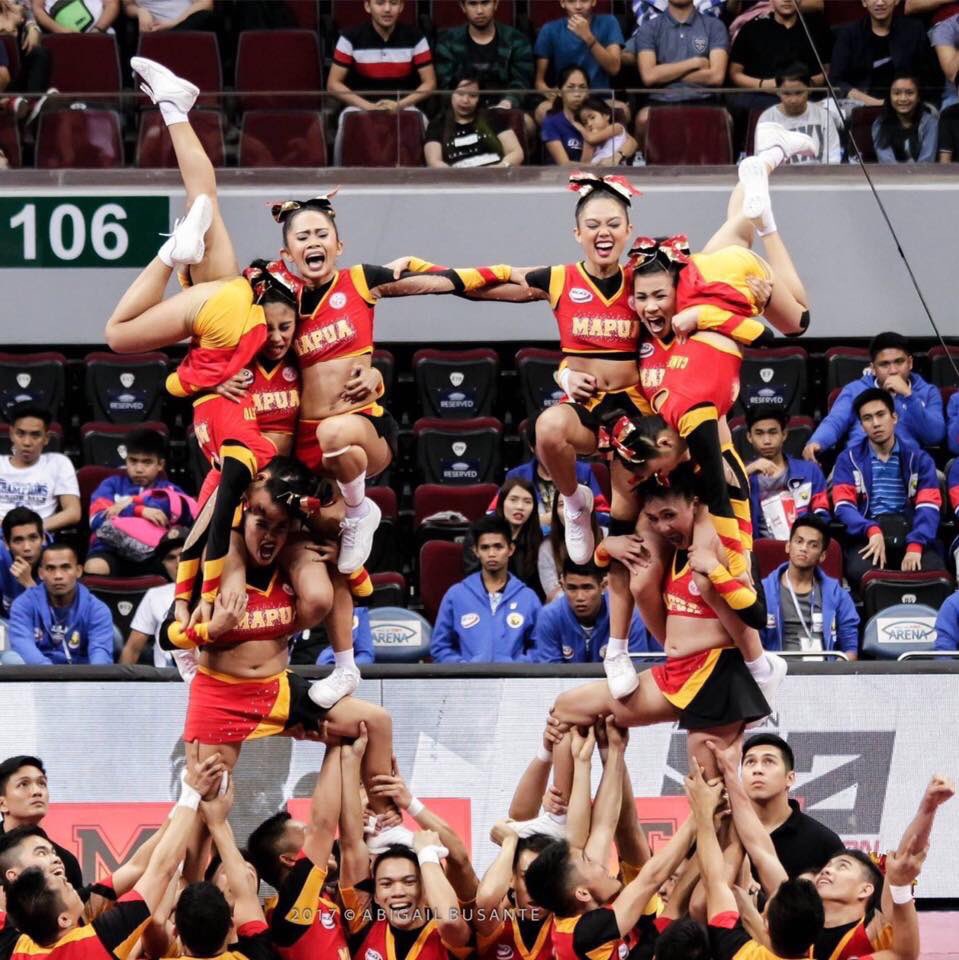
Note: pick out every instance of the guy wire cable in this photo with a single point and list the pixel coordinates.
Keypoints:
(865, 172)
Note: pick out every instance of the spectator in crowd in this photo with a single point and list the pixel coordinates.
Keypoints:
(25, 801)
(947, 625)
(45, 482)
(466, 135)
(499, 56)
(952, 488)
(948, 134)
(906, 131)
(593, 42)
(60, 621)
(802, 843)
(650, 9)
(516, 504)
(133, 494)
(781, 488)
(33, 76)
(918, 404)
(766, 45)
(363, 651)
(952, 424)
(81, 16)
(383, 59)
(574, 628)
(607, 142)
(871, 52)
(795, 112)
(154, 16)
(682, 54)
(19, 553)
(805, 608)
(552, 551)
(488, 617)
(886, 492)
(560, 130)
(943, 20)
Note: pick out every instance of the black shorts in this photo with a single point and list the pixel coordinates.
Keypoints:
(599, 413)
(386, 427)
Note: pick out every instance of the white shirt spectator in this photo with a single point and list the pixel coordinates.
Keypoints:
(816, 122)
(148, 619)
(38, 486)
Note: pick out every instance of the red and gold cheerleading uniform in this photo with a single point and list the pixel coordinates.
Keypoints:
(111, 936)
(252, 943)
(850, 941)
(508, 941)
(595, 935)
(729, 941)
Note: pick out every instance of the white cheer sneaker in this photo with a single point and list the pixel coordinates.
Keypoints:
(356, 538)
(621, 675)
(578, 532)
(162, 85)
(342, 682)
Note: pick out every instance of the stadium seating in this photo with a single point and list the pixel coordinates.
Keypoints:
(88, 479)
(128, 389)
(942, 366)
(456, 384)
(771, 553)
(383, 138)
(800, 430)
(36, 378)
(448, 13)
(191, 54)
(860, 129)
(389, 590)
(282, 138)
(54, 444)
(601, 472)
(430, 499)
(278, 60)
(689, 135)
(441, 565)
(458, 452)
(538, 388)
(774, 377)
(840, 12)
(102, 442)
(886, 588)
(844, 365)
(79, 138)
(10, 42)
(122, 595)
(385, 362)
(901, 628)
(399, 635)
(10, 139)
(85, 63)
(385, 553)
(155, 148)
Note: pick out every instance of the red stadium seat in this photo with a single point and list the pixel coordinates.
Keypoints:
(102, 442)
(13, 53)
(860, 129)
(456, 384)
(381, 138)
(350, 13)
(155, 149)
(844, 365)
(542, 11)
(942, 368)
(441, 566)
(385, 553)
(471, 500)
(122, 595)
(448, 13)
(10, 139)
(839, 12)
(947, 393)
(282, 138)
(389, 590)
(84, 63)
(538, 388)
(306, 13)
(191, 54)
(885, 588)
(286, 61)
(458, 452)
(774, 377)
(89, 478)
(32, 378)
(800, 430)
(79, 139)
(754, 116)
(125, 389)
(385, 362)
(54, 445)
(601, 472)
(771, 553)
(689, 135)
(832, 398)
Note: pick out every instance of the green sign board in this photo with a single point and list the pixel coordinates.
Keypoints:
(81, 231)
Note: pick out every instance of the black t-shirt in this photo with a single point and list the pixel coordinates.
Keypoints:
(482, 60)
(829, 937)
(70, 865)
(803, 844)
(883, 69)
(949, 131)
(764, 46)
(473, 144)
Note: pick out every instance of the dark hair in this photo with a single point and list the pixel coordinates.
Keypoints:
(537, 842)
(772, 412)
(548, 880)
(904, 141)
(597, 105)
(889, 340)
(659, 264)
(58, 545)
(203, 919)
(771, 740)
(30, 409)
(317, 207)
(216, 861)
(638, 435)
(557, 536)
(683, 939)
(284, 474)
(795, 917)
(490, 523)
(33, 908)
(264, 848)
(395, 851)
(583, 570)
(525, 559)
(812, 522)
(872, 873)
(20, 517)
(682, 483)
(12, 764)
(561, 81)
(796, 70)
(872, 395)
(268, 284)
(148, 442)
(11, 841)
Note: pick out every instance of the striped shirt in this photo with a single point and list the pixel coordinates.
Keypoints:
(382, 65)
(888, 494)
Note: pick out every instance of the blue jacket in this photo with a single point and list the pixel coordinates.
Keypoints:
(947, 625)
(807, 484)
(852, 485)
(559, 637)
(952, 484)
(119, 487)
(10, 586)
(362, 640)
(840, 621)
(466, 631)
(584, 475)
(952, 423)
(88, 635)
(920, 415)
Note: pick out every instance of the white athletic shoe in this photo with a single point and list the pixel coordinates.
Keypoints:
(187, 243)
(544, 823)
(754, 178)
(394, 836)
(356, 538)
(771, 684)
(791, 142)
(161, 84)
(342, 682)
(621, 675)
(579, 530)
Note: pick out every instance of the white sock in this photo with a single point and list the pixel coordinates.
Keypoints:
(165, 253)
(768, 225)
(760, 668)
(354, 491)
(171, 113)
(772, 157)
(575, 502)
(616, 646)
(344, 658)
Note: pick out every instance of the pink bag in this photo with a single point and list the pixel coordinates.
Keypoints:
(136, 538)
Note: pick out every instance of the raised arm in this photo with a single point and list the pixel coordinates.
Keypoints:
(579, 813)
(354, 855)
(703, 800)
(438, 891)
(901, 872)
(609, 796)
(531, 786)
(324, 809)
(497, 880)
